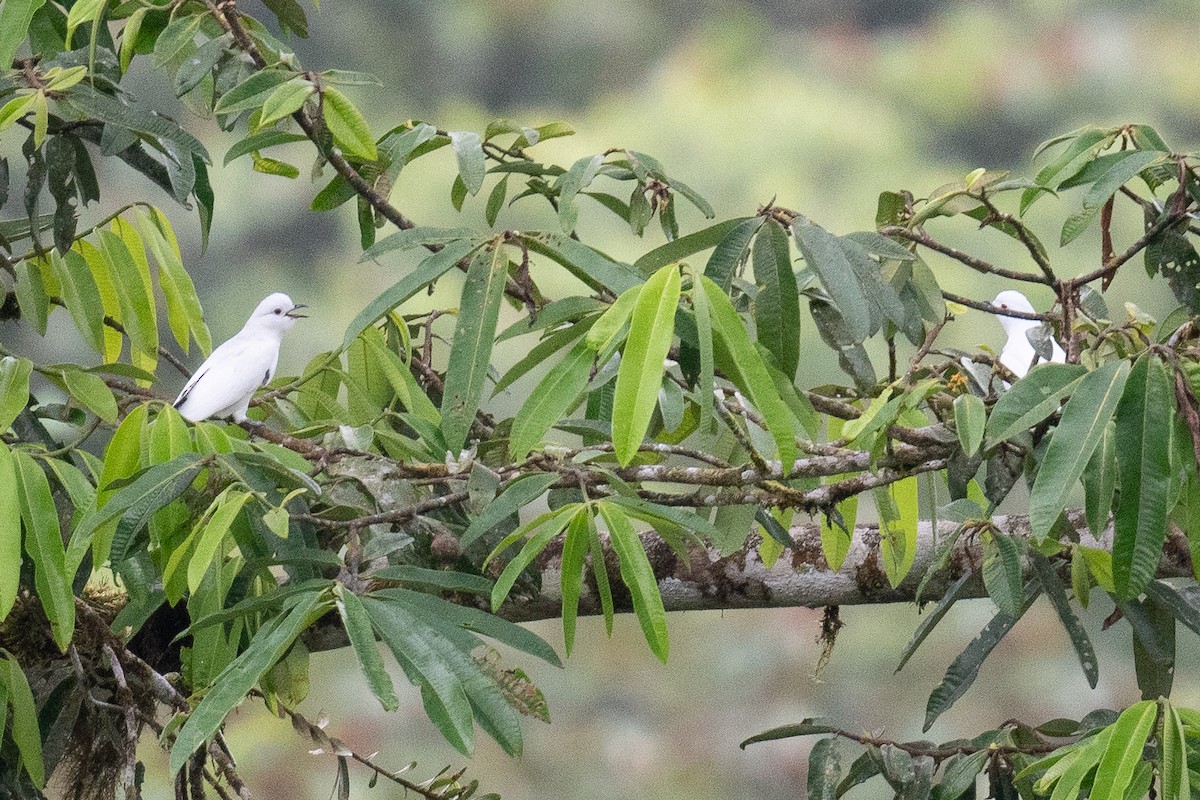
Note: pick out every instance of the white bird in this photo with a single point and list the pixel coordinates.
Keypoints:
(227, 379)
(1018, 354)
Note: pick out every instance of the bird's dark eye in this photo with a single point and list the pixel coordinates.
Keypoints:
(279, 311)
(1002, 305)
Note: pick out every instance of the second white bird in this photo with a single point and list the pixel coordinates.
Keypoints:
(1018, 354)
(225, 382)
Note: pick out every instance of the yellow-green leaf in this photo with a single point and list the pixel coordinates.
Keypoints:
(350, 131)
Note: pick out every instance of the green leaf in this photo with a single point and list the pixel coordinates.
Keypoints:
(15, 16)
(14, 109)
(362, 639)
(518, 494)
(235, 682)
(211, 537)
(730, 252)
(959, 776)
(435, 578)
(82, 12)
(540, 531)
(1124, 751)
(350, 131)
(590, 266)
(286, 99)
(1062, 606)
(898, 522)
(970, 417)
(638, 576)
(1031, 399)
(553, 397)
(1002, 572)
(92, 392)
(1080, 430)
(261, 141)
(468, 151)
(81, 296)
(824, 255)
(736, 357)
(808, 727)
(705, 380)
(1120, 172)
(1143, 445)
(824, 770)
(427, 659)
(428, 271)
(135, 295)
(689, 245)
(138, 500)
(44, 544)
(576, 542)
(135, 118)
(962, 673)
(777, 304)
(199, 65)
(14, 388)
(474, 335)
(416, 237)
(32, 298)
(24, 729)
(184, 314)
(1175, 780)
(10, 532)
(651, 331)
(952, 595)
(570, 183)
(495, 200)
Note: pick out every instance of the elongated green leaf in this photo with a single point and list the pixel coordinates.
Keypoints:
(554, 396)
(350, 131)
(952, 595)
(82, 12)
(1143, 443)
(824, 770)
(1117, 175)
(416, 237)
(435, 578)
(736, 356)
(962, 673)
(81, 296)
(1002, 572)
(777, 304)
(590, 266)
(211, 537)
(651, 331)
(540, 531)
(517, 495)
(1100, 481)
(825, 256)
(468, 151)
(265, 649)
(44, 544)
(136, 297)
(1124, 751)
(15, 16)
(730, 251)
(137, 501)
(576, 543)
(423, 654)
(807, 727)
(638, 576)
(1084, 419)
(1175, 780)
(898, 521)
(112, 111)
(24, 729)
(32, 297)
(970, 416)
(1062, 606)
(184, 314)
(1074, 769)
(10, 532)
(705, 380)
(685, 246)
(14, 388)
(471, 352)
(425, 273)
(261, 141)
(362, 639)
(199, 65)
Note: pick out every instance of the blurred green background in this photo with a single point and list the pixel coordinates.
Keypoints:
(822, 105)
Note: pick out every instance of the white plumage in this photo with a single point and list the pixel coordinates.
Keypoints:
(1018, 354)
(225, 382)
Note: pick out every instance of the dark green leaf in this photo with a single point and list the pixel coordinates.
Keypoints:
(1143, 445)
(233, 684)
(808, 727)
(970, 417)
(261, 141)
(1079, 432)
(435, 578)
(518, 494)
(199, 65)
(691, 244)
(1062, 606)
(474, 335)
(777, 304)
(1002, 572)
(362, 639)
(44, 544)
(824, 255)
(590, 266)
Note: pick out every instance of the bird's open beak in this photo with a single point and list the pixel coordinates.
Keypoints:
(296, 308)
